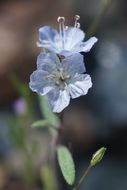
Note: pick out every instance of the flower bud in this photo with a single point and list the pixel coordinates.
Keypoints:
(97, 156)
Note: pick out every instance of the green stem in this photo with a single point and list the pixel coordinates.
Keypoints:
(96, 22)
(54, 128)
(56, 140)
(82, 177)
(28, 169)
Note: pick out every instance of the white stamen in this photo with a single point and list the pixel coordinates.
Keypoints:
(77, 25)
(61, 21)
(66, 27)
(77, 17)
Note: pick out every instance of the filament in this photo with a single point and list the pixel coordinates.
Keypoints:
(61, 21)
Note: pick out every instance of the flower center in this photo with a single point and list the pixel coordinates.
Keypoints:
(61, 77)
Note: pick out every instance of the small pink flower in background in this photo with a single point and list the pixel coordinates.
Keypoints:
(20, 106)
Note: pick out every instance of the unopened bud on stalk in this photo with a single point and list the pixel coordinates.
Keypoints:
(97, 156)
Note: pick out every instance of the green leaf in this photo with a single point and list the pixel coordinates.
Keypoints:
(16, 133)
(66, 164)
(40, 123)
(47, 113)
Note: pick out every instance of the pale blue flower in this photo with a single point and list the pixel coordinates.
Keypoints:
(60, 79)
(67, 41)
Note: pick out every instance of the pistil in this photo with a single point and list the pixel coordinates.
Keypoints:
(61, 21)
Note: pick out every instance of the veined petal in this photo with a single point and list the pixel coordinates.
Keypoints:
(47, 35)
(86, 46)
(48, 62)
(40, 83)
(80, 85)
(58, 99)
(73, 36)
(47, 45)
(74, 64)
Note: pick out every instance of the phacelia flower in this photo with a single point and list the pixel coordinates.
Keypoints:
(67, 41)
(60, 79)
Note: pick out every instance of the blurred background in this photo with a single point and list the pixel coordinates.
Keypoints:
(95, 120)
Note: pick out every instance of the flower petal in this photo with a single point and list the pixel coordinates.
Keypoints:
(58, 99)
(40, 83)
(80, 85)
(86, 46)
(74, 64)
(47, 35)
(73, 36)
(48, 61)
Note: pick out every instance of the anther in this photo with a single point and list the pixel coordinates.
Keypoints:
(77, 25)
(60, 19)
(57, 82)
(77, 17)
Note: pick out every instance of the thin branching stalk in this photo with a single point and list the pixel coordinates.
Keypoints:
(82, 177)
